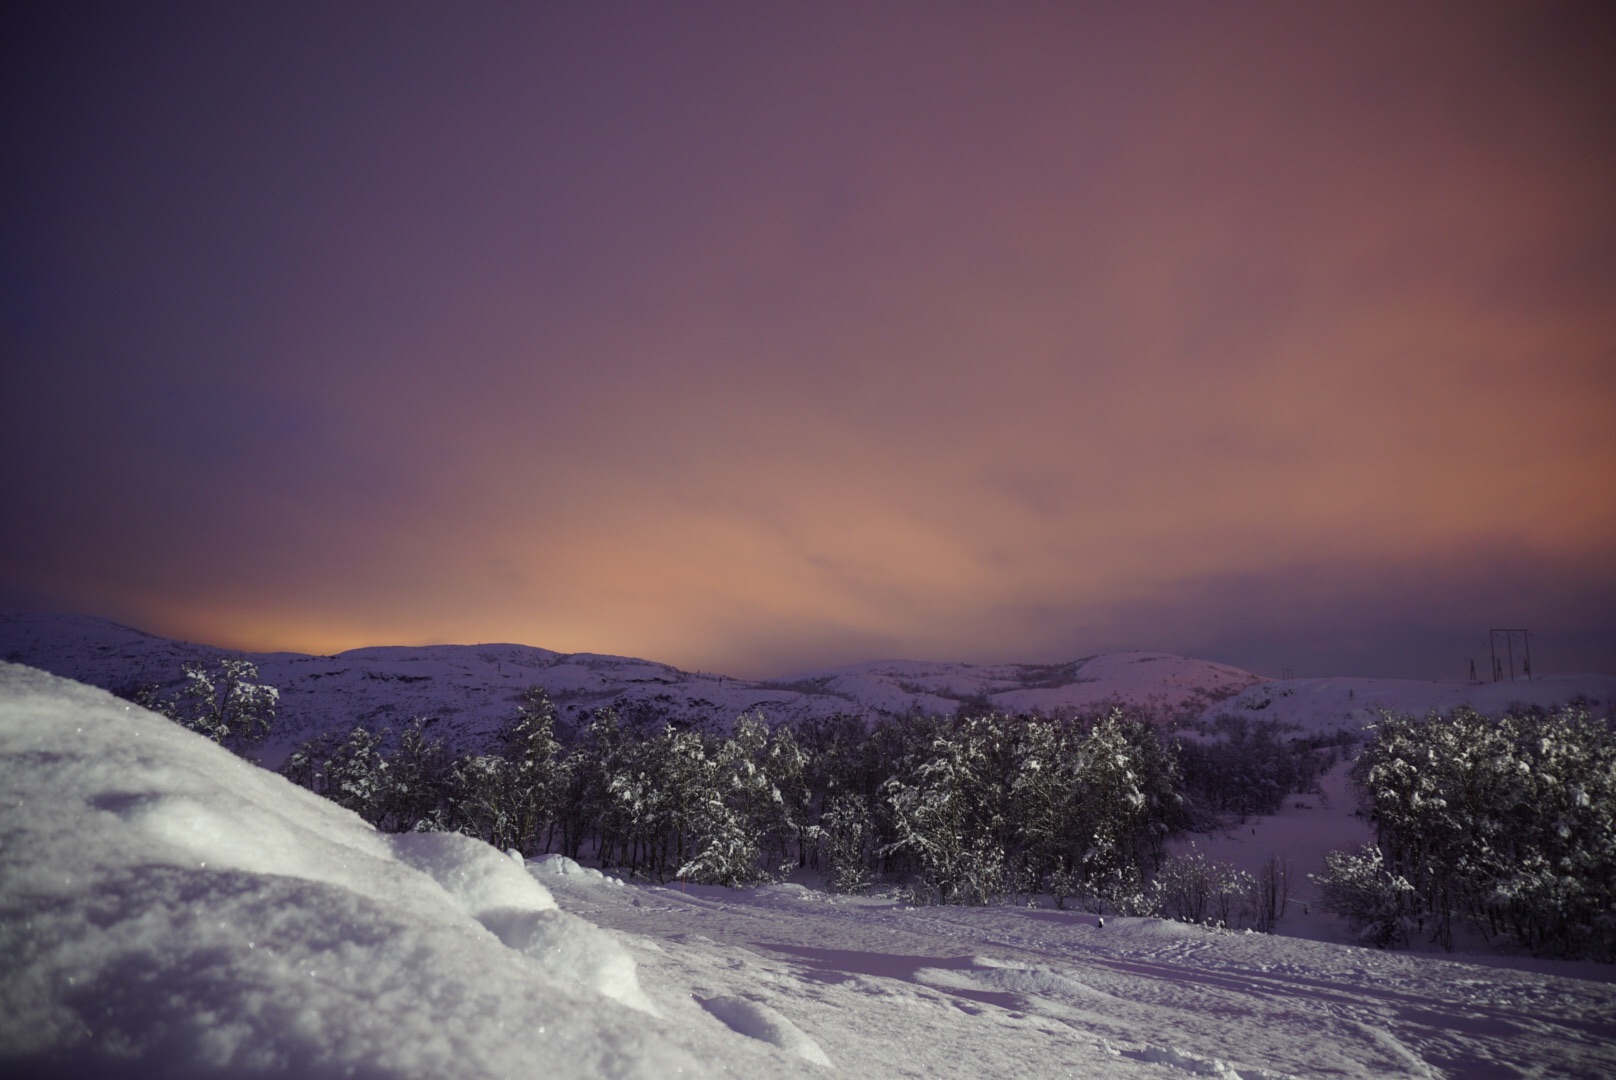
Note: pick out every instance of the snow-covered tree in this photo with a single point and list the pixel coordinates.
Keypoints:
(848, 832)
(1046, 807)
(480, 802)
(948, 813)
(225, 702)
(418, 773)
(536, 779)
(1112, 803)
(356, 775)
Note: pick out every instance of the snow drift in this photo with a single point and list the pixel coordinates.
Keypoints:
(167, 909)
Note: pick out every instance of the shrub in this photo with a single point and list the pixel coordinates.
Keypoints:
(1376, 902)
(225, 702)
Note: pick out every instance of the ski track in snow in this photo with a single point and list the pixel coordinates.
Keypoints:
(989, 991)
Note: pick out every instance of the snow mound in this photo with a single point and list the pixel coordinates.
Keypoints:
(480, 879)
(1201, 1066)
(987, 975)
(561, 866)
(574, 948)
(499, 893)
(756, 1020)
(167, 909)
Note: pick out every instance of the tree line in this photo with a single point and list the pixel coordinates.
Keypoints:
(966, 809)
(1507, 825)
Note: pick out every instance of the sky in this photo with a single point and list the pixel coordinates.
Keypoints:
(763, 338)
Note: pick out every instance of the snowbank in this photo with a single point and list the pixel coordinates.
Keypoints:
(167, 909)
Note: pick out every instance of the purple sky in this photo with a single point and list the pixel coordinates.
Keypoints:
(759, 337)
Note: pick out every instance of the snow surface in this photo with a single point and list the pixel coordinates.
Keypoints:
(167, 909)
(888, 990)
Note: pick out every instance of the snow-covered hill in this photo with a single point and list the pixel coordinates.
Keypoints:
(470, 689)
(167, 909)
(1321, 706)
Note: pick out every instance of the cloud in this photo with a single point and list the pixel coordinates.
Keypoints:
(768, 339)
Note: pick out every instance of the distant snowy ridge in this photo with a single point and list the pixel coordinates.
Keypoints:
(470, 689)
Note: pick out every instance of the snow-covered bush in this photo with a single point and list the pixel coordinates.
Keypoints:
(1120, 891)
(1377, 903)
(224, 702)
(1508, 824)
(1184, 887)
(1192, 888)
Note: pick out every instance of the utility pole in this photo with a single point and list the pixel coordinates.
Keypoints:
(1507, 639)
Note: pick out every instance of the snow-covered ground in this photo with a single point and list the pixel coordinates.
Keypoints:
(167, 909)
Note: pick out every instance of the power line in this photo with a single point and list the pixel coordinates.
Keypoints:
(1507, 639)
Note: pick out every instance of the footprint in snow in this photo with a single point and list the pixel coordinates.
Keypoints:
(756, 1020)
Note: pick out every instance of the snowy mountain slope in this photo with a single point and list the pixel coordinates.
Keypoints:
(167, 909)
(470, 689)
(1171, 682)
(1321, 706)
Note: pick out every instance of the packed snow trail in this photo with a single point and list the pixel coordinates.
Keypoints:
(1005, 990)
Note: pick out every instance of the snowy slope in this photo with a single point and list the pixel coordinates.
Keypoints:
(1161, 680)
(470, 689)
(167, 909)
(888, 990)
(1322, 706)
